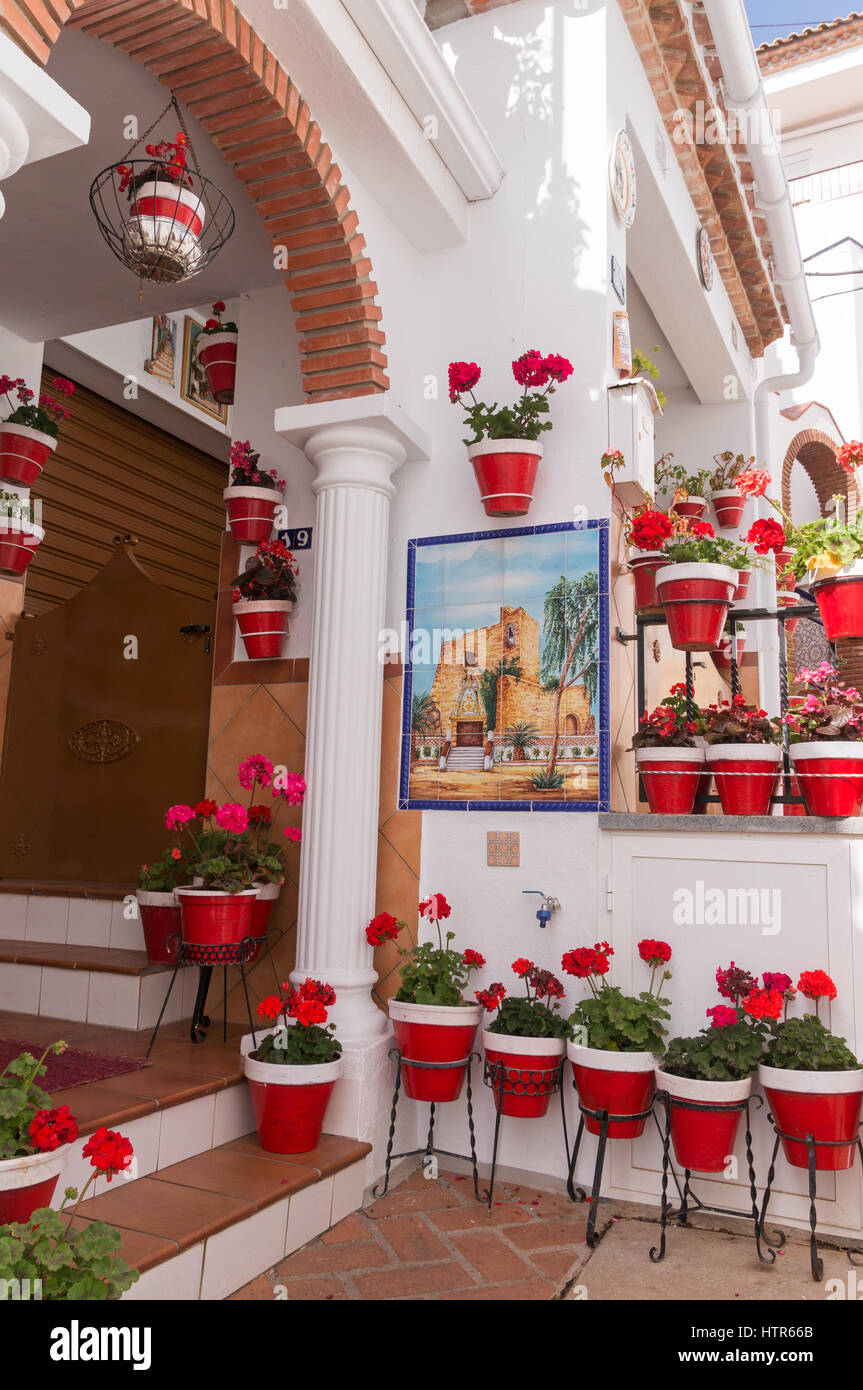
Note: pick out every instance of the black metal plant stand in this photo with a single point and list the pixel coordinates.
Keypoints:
(578, 1194)
(207, 957)
(429, 1150)
(534, 1084)
(689, 1199)
(816, 1264)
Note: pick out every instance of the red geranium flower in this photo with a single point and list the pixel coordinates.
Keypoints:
(259, 815)
(205, 809)
(109, 1152)
(753, 482)
(490, 998)
(463, 376)
(558, 368)
(435, 907)
(473, 959)
(766, 535)
(521, 967)
(382, 928)
(702, 528)
(531, 369)
(51, 1128)
(584, 962)
(721, 1016)
(814, 984)
(763, 1003)
(650, 529)
(654, 952)
(850, 456)
(270, 1008)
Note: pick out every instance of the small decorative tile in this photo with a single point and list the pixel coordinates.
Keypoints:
(503, 849)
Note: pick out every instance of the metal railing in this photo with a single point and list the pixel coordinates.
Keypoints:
(842, 181)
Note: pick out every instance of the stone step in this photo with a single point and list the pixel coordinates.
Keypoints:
(76, 915)
(114, 987)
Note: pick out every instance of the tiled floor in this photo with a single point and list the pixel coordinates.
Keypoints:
(429, 1239)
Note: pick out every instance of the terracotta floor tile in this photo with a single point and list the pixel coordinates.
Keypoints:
(556, 1263)
(260, 1288)
(140, 1251)
(404, 1282)
(351, 1229)
(365, 1255)
(528, 1291)
(491, 1257)
(433, 1197)
(245, 1176)
(183, 1214)
(326, 1289)
(545, 1235)
(160, 1084)
(30, 1028)
(332, 1154)
(411, 1239)
(92, 1105)
(203, 1057)
(476, 1216)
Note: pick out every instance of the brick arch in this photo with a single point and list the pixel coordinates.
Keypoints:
(816, 451)
(235, 87)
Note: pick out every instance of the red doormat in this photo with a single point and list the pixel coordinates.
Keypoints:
(71, 1068)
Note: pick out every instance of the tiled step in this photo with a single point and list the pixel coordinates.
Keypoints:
(79, 915)
(94, 984)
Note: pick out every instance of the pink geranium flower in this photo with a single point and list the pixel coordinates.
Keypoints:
(292, 788)
(232, 817)
(255, 769)
(178, 815)
(294, 834)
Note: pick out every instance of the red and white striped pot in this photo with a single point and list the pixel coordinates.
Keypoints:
(620, 1082)
(434, 1033)
(212, 917)
(839, 595)
(785, 580)
(19, 541)
(289, 1102)
(830, 775)
(786, 600)
(217, 354)
(530, 1065)
(23, 453)
(728, 506)
(745, 775)
(505, 471)
(696, 599)
(28, 1183)
(251, 512)
(671, 777)
(160, 919)
(743, 578)
(166, 213)
(721, 656)
(703, 1139)
(825, 1104)
(693, 506)
(644, 566)
(264, 624)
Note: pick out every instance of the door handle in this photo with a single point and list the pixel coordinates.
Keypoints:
(195, 630)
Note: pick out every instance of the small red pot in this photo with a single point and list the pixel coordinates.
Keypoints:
(747, 795)
(434, 1033)
(728, 506)
(840, 602)
(693, 506)
(23, 453)
(671, 777)
(160, 919)
(251, 512)
(620, 1082)
(830, 777)
(825, 1104)
(644, 566)
(217, 354)
(743, 578)
(28, 1183)
(211, 918)
(264, 624)
(696, 599)
(289, 1102)
(161, 210)
(785, 582)
(19, 541)
(703, 1140)
(531, 1065)
(505, 471)
(721, 657)
(786, 600)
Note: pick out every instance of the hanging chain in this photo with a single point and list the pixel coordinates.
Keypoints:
(150, 129)
(176, 106)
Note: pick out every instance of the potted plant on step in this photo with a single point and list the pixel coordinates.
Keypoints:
(698, 584)
(216, 907)
(743, 754)
(267, 857)
(614, 1068)
(293, 1068)
(431, 1019)
(526, 1042)
(20, 537)
(34, 1139)
(813, 1083)
(28, 434)
(217, 354)
(263, 600)
(728, 499)
(253, 496)
(157, 902)
(826, 743)
(667, 756)
(504, 446)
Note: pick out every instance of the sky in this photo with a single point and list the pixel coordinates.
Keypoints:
(773, 19)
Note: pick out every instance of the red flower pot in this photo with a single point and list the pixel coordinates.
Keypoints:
(505, 470)
(840, 601)
(28, 1183)
(23, 453)
(830, 776)
(644, 566)
(217, 354)
(728, 506)
(671, 777)
(721, 657)
(786, 600)
(696, 599)
(264, 624)
(160, 919)
(745, 775)
(262, 910)
(620, 1082)
(530, 1066)
(211, 918)
(703, 1140)
(19, 541)
(785, 582)
(825, 1104)
(251, 512)
(743, 578)
(289, 1102)
(434, 1033)
(165, 213)
(693, 506)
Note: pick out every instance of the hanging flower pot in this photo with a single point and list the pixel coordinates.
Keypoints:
(703, 1140)
(696, 598)
(505, 471)
(29, 1182)
(830, 774)
(434, 1033)
(743, 578)
(530, 1067)
(825, 1104)
(728, 506)
(160, 919)
(745, 775)
(163, 229)
(217, 354)
(644, 566)
(289, 1100)
(694, 507)
(24, 452)
(210, 917)
(721, 657)
(620, 1082)
(786, 600)
(785, 579)
(19, 541)
(264, 624)
(251, 512)
(671, 778)
(839, 595)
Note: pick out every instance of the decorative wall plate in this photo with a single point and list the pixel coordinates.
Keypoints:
(705, 259)
(103, 741)
(621, 174)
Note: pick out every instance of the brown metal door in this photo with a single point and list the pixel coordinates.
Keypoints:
(469, 733)
(107, 726)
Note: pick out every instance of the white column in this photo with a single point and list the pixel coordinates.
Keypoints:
(356, 447)
(37, 118)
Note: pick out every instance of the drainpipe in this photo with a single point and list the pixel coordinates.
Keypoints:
(745, 96)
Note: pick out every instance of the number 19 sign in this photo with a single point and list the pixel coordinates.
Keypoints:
(300, 538)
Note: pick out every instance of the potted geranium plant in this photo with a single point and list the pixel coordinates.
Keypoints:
(667, 755)
(743, 754)
(813, 1083)
(34, 1139)
(292, 1069)
(826, 743)
(646, 535)
(217, 354)
(166, 215)
(253, 495)
(504, 446)
(266, 856)
(431, 1019)
(20, 537)
(216, 907)
(688, 489)
(263, 599)
(727, 498)
(28, 434)
(527, 1040)
(157, 902)
(614, 1068)
(697, 586)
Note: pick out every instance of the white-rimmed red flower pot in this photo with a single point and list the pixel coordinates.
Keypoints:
(743, 578)
(787, 600)
(505, 471)
(745, 775)
(217, 354)
(19, 541)
(671, 777)
(251, 512)
(434, 1033)
(23, 453)
(264, 624)
(830, 775)
(160, 919)
(703, 1139)
(785, 580)
(620, 1082)
(167, 214)
(693, 506)
(695, 599)
(290, 1102)
(644, 566)
(839, 595)
(29, 1182)
(825, 1104)
(721, 656)
(210, 917)
(530, 1066)
(728, 506)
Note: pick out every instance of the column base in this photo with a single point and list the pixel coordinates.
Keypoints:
(362, 1100)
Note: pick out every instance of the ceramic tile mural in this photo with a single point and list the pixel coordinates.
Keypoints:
(506, 670)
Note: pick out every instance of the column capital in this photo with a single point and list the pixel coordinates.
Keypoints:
(357, 442)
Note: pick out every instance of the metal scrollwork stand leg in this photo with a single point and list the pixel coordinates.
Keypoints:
(206, 957)
(521, 1081)
(816, 1264)
(578, 1194)
(380, 1190)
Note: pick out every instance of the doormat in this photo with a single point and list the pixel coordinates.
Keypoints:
(70, 1068)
